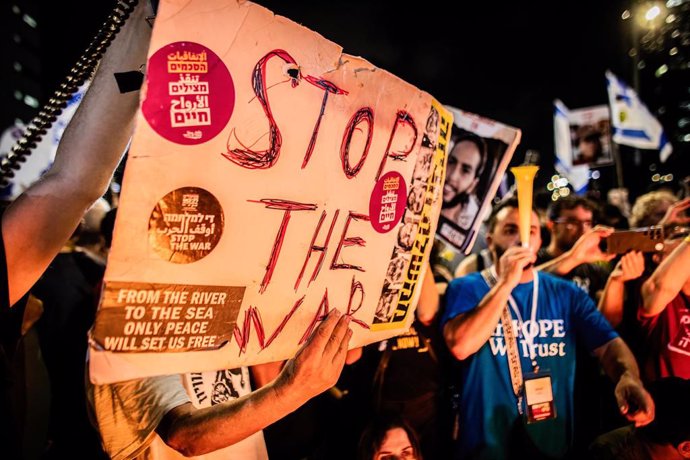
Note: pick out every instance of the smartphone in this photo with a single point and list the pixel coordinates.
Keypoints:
(648, 239)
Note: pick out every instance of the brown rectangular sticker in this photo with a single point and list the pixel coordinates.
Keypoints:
(148, 317)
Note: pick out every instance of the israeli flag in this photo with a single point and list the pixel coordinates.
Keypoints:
(633, 124)
(43, 155)
(578, 175)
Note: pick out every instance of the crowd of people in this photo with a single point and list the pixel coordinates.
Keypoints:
(553, 349)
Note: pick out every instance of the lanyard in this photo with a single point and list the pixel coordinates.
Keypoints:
(529, 338)
(511, 336)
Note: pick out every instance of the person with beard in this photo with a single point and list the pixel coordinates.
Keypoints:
(570, 218)
(466, 162)
(512, 313)
(467, 159)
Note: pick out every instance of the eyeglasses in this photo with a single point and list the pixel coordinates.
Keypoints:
(572, 224)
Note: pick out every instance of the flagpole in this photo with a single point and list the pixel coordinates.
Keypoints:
(637, 155)
(617, 162)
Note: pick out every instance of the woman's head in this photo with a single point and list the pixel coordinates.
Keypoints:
(389, 437)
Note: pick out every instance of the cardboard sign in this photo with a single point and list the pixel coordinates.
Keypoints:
(271, 179)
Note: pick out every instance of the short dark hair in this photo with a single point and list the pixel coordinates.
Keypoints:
(571, 202)
(509, 203)
(458, 135)
(375, 433)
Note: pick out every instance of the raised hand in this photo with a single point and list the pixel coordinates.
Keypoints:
(512, 264)
(674, 214)
(317, 365)
(586, 249)
(630, 267)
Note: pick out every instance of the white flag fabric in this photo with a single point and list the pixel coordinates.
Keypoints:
(578, 175)
(41, 157)
(633, 123)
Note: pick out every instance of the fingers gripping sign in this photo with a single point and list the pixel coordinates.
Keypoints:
(317, 365)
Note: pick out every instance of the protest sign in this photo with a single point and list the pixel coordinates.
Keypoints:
(271, 178)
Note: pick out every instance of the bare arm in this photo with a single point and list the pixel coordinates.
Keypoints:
(585, 250)
(619, 364)
(467, 332)
(314, 369)
(467, 265)
(667, 280)
(628, 268)
(428, 299)
(41, 220)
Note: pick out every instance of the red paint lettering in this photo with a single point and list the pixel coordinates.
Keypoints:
(329, 88)
(287, 207)
(349, 241)
(262, 159)
(354, 288)
(318, 316)
(252, 315)
(363, 115)
(321, 249)
(402, 118)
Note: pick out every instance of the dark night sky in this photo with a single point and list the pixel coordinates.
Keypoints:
(502, 61)
(494, 60)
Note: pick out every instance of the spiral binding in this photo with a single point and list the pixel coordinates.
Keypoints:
(79, 73)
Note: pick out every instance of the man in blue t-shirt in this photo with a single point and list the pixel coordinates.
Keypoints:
(536, 317)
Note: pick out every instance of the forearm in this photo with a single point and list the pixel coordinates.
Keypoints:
(205, 430)
(467, 332)
(561, 265)
(611, 301)
(667, 280)
(41, 220)
(315, 368)
(634, 402)
(467, 266)
(617, 360)
(427, 307)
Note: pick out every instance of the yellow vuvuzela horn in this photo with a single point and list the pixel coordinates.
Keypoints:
(524, 179)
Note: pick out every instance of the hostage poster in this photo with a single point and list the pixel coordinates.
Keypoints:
(479, 152)
(271, 178)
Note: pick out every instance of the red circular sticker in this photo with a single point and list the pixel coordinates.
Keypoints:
(186, 225)
(387, 202)
(190, 94)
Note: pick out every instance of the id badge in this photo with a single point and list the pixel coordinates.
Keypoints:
(539, 397)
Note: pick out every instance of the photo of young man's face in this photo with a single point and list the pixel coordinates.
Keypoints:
(588, 146)
(464, 162)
